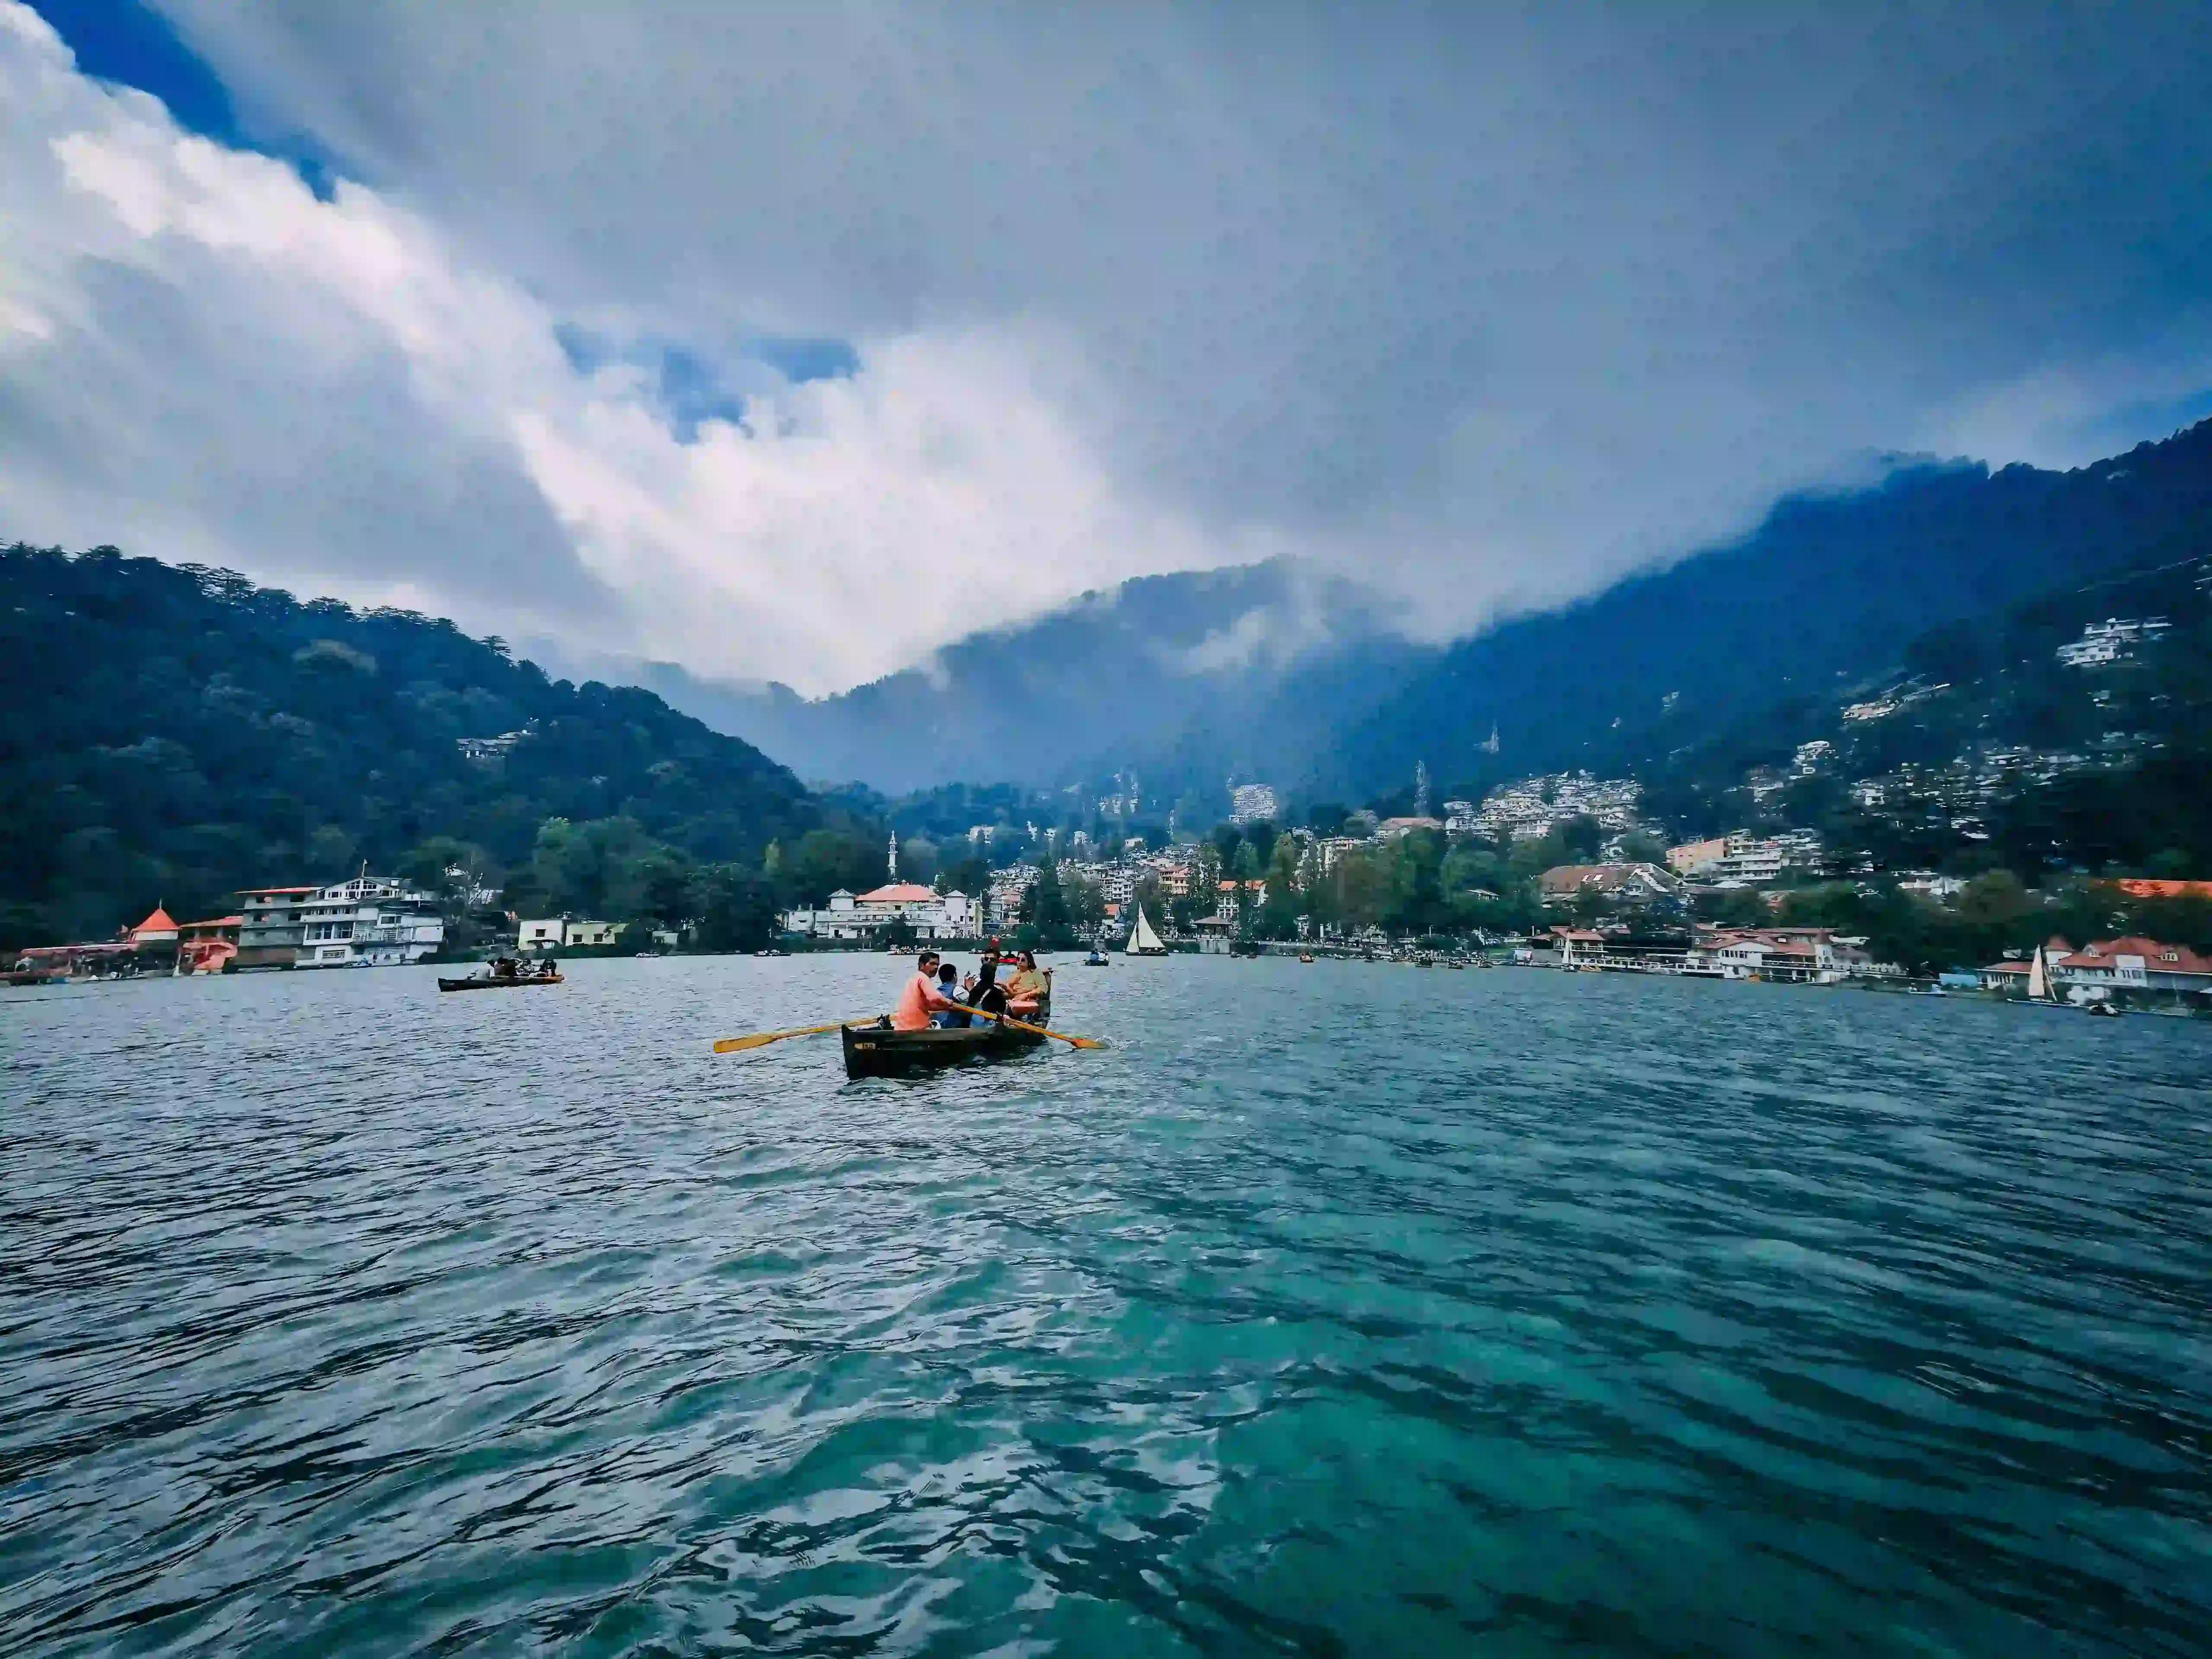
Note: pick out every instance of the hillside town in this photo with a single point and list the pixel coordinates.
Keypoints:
(1561, 870)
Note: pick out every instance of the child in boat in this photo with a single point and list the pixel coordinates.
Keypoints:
(948, 982)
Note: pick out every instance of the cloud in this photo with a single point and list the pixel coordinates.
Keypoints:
(204, 359)
(1487, 305)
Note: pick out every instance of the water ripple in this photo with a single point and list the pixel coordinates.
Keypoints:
(1332, 1310)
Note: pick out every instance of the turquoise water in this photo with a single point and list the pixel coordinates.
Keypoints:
(1335, 1309)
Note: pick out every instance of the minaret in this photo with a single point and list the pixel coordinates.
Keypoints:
(1421, 789)
(893, 860)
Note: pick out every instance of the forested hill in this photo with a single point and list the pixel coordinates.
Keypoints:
(175, 733)
(1828, 586)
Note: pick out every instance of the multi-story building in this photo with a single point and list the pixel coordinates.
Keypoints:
(2110, 640)
(269, 926)
(1532, 807)
(1695, 857)
(865, 917)
(371, 921)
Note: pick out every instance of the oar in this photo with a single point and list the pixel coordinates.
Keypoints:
(761, 1039)
(1019, 1025)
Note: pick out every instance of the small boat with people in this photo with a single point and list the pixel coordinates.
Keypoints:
(1098, 958)
(878, 1050)
(941, 1020)
(506, 973)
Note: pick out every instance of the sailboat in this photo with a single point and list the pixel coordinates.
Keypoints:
(2038, 978)
(1143, 941)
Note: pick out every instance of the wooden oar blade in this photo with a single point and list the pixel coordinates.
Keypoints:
(761, 1039)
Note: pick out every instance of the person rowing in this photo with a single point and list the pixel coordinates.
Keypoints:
(922, 998)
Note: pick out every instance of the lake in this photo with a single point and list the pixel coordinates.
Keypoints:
(1338, 1309)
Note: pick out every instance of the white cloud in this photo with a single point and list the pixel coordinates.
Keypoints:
(1484, 305)
(206, 362)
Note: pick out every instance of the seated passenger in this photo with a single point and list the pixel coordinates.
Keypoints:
(1029, 987)
(948, 983)
(984, 991)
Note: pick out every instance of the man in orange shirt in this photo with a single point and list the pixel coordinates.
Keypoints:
(922, 998)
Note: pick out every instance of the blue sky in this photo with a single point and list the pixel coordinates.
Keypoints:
(700, 332)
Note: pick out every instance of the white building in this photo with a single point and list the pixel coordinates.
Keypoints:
(862, 919)
(1523, 811)
(555, 932)
(2110, 640)
(544, 933)
(1748, 860)
(371, 921)
(1252, 802)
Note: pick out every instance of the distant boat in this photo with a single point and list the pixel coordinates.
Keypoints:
(496, 982)
(2038, 978)
(1143, 941)
(1098, 958)
(1305, 956)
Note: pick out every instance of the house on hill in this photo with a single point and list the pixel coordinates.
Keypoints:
(1629, 884)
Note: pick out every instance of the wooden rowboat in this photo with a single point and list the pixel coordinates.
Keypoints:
(486, 982)
(879, 1051)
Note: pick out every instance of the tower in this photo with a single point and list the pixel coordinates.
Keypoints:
(894, 860)
(1421, 789)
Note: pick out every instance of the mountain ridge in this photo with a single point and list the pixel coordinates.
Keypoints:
(1817, 587)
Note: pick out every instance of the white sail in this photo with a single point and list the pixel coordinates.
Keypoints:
(2039, 979)
(1143, 941)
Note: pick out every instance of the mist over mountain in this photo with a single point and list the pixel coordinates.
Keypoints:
(1306, 681)
(1184, 678)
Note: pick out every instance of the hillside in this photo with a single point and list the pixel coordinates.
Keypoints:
(175, 733)
(1984, 745)
(1301, 680)
(1827, 586)
(1184, 678)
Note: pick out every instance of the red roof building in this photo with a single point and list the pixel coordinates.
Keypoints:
(899, 892)
(2141, 888)
(159, 928)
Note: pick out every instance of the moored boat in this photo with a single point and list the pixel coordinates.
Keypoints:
(879, 1051)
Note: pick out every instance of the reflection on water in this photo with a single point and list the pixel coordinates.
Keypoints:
(1335, 1310)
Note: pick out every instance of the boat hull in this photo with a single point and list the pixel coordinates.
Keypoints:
(879, 1051)
(497, 984)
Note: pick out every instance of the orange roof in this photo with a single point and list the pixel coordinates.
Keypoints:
(219, 921)
(2154, 953)
(160, 922)
(899, 892)
(271, 892)
(2136, 888)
